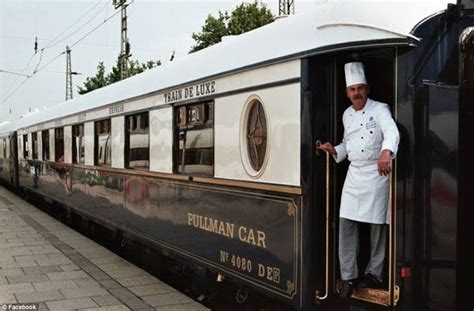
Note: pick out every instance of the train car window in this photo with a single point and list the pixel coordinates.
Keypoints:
(194, 136)
(59, 144)
(45, 144)
(25, 146)
(103, 144)
(137, 141)
(34, 145)
(78, 143)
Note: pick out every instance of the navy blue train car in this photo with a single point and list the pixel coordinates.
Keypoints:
(212, 158)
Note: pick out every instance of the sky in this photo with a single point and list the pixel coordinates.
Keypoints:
(156, 28)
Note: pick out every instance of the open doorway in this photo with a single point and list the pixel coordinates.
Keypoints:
(330, 102)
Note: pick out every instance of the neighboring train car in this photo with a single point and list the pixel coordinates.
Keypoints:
(212, 157)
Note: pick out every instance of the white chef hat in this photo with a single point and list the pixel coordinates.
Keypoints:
(354, 73)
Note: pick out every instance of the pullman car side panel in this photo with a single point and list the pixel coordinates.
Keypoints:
(282, 109)
(265, 75)
(40, 145)
(161, 140)
(118, 141)
(89, 143)
(68, 144)
(219, 227)
(20, 146)
(29, 146)
(52, 148)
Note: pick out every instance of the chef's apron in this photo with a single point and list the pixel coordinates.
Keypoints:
(365, 194)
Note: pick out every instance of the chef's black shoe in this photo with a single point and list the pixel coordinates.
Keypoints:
(369, 281)
(347, 289)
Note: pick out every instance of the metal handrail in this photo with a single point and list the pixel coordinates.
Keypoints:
(392, 228)
(326, 283)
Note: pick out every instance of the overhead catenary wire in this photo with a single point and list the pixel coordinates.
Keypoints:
(80, 39)
(96, 27)
(74, 23)
(77, 30)
(39, 69)
(14, 73)
(16, 80)
(39, 61)
(48, 63)
(53, 43)
(15, 90)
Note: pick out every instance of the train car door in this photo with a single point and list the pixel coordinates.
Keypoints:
(329, 102)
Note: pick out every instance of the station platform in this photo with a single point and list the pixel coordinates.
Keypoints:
(45, 262)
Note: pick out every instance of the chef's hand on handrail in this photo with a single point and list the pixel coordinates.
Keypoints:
(326, 147)
(383, 165)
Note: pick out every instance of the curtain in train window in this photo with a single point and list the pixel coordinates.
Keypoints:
(34, 145)
(103, 143)
(45, 144)
(59, 144)
(25, 146)
(137, 141)
(3, 147)
(10, 150)
(195, 139)
(9, 147)
(78, 143)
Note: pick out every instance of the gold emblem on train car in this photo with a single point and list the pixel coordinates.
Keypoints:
(290, 287)
(256, 134)
(291, 210)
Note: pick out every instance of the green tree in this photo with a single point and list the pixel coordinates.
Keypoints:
(243, 18)
(95, 82)
(101, 79)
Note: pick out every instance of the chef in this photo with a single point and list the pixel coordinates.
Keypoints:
(370, 143)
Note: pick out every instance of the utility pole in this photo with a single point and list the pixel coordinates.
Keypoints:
(287, 7)
(124, 44)
(68, 74)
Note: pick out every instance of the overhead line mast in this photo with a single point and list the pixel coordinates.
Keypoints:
(124, 44)
(68, 74)
(287, 7)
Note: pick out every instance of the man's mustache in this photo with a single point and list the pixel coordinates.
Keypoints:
(357, 97)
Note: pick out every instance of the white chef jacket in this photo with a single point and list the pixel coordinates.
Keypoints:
(366, 133)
